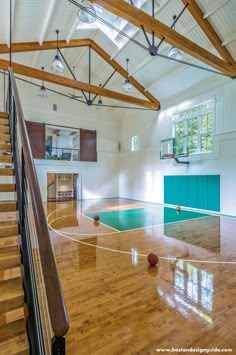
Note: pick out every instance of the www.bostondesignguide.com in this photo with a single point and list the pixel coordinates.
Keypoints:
(194, 350)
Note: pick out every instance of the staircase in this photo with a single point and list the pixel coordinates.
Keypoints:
(13, 334)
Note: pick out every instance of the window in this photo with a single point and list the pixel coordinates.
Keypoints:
(193, 129)
(134, 144)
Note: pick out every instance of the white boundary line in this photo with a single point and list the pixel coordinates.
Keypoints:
(130, 253)
(143, 255)
(100, 223)
(125, 231)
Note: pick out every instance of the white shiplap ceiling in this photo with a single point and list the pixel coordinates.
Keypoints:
(37, 20)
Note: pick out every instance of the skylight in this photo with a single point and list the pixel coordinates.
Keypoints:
(116, 22)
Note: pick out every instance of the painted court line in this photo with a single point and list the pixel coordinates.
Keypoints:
(130, 253)
(69, 215)
(118, 231)
(106, 225)
(143, 255)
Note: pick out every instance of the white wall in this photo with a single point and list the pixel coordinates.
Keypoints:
(98, 179)
(141, 173)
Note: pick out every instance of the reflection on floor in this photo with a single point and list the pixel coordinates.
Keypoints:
(118, 304)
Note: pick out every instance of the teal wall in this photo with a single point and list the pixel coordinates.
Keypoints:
(197, 191)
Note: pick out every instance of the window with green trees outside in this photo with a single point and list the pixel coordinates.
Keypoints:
(193, 129)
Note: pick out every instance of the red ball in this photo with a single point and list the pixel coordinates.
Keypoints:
(178, 208)
(152, 259)
(96, 217)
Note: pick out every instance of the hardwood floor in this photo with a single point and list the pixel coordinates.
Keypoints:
(118, 304)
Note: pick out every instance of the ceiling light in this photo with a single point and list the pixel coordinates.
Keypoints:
(175, 52)
(57, 66)
(87, 12)
(42, 91)
(127, 87)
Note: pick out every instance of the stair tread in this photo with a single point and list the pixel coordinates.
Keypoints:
(8, 229)
(10, 289)
(13, 338)
(9, 252)
(10, 202)
(7, 171)
(8, 187)
(10, 223)
(5, 146)
(4, 114)
(6, 158)
(8, 206)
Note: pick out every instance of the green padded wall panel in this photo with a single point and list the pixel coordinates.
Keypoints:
(201, 192)
(196, 191)
(213, 192)
(192, 191)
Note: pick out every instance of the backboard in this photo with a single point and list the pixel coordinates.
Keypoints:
(173, 148)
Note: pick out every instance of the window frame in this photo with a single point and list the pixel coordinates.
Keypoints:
(134, 143)
(186, 118)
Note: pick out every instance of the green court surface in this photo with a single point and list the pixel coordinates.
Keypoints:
(123, 220)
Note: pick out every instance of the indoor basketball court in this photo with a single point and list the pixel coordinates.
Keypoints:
(117, 177)
(150, 306)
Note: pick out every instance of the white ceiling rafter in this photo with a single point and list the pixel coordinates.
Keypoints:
(12, 22)
(230, 39)
(72, 29)
(216, 8)
(47, 20)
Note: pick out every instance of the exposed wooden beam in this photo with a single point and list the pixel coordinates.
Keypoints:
(138, 17)
(122, 72)
(209, 31)
(75, 84)
(35, 46)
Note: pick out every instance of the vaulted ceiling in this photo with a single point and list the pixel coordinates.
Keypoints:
(209, 24)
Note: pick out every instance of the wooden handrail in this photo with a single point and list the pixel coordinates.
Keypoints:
(55, 298)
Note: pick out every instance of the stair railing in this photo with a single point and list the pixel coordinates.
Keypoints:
(47, 320)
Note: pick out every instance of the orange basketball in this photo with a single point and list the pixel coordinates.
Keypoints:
(152, 259)
(96, 217)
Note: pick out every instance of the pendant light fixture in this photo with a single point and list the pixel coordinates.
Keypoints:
(127, 87)
(175, 52)
(57, 66)
(87, 13)
(42, 91)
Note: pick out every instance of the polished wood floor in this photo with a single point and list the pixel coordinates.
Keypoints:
(118, 304)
